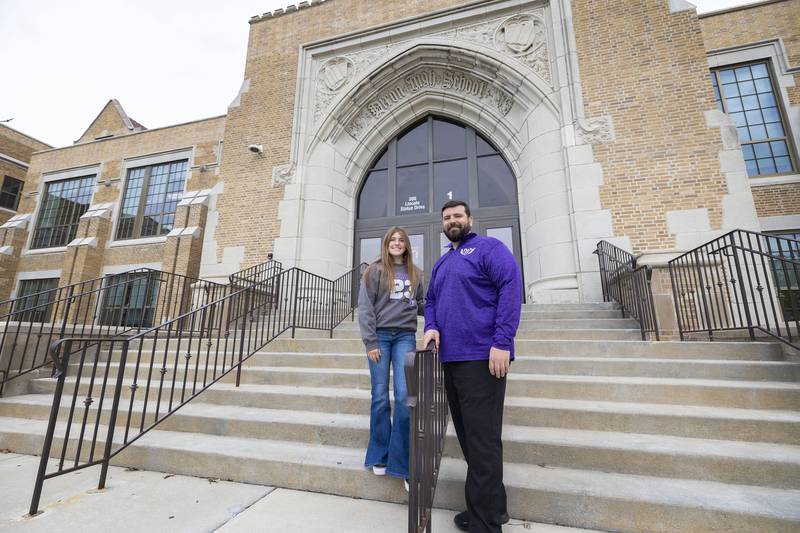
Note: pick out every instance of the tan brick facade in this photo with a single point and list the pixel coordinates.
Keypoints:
(646, 67)
(777, 200)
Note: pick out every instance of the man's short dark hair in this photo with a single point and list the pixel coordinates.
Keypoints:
(456, 203)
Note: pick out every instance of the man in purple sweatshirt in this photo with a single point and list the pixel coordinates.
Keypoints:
(472, 313)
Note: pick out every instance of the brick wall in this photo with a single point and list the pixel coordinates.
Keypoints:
(647, 69)
(777, 200)
(266, 111)
(758, 23)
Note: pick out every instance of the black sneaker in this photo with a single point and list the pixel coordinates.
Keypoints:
(461, 520)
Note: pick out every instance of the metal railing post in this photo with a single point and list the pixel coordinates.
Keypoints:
(51, 428)
(113, 416)
(244, 316)
(740, 277)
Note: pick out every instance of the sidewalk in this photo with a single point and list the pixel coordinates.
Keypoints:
(151, 501)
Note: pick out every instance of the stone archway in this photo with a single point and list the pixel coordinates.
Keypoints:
(336, 141)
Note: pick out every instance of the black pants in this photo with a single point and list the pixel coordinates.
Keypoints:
(476, 403)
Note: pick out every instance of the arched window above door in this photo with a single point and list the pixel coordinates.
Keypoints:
(434, 161)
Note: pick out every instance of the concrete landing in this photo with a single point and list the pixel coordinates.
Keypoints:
(136, 500)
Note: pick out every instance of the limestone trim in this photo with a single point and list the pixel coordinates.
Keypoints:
(774, 180)
(137, 242)
(40, 251)
(9, 159)
(157, 158)
(780, 223)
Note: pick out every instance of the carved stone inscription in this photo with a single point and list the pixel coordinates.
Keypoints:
(448, 80)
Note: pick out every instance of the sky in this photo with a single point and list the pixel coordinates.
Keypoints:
(165, 61)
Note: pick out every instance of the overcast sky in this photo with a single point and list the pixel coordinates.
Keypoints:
(166, 61)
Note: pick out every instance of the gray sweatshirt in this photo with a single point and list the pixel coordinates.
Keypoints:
(381, 308)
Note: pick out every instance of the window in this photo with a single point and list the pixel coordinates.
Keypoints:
(61, 209)
(34, 300)
(786, 245)
(130, 299)
(10, 193)
(434, 161)
(747, 94)
(151, 196)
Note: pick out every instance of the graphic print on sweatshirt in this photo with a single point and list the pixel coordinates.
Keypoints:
(401, 290)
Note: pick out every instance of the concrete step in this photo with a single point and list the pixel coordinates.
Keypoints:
(546, 323)
(778, 426)
(683, 391)
(555, 333)
(583, 498)
(587, 366)
(748, 463)
(575, 348)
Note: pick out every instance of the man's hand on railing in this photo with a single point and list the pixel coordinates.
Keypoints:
(431, 336)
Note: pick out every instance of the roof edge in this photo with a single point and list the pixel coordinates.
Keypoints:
(285, 11)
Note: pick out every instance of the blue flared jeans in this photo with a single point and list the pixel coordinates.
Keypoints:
(388, 435)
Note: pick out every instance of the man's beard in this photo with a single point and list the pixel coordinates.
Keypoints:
(456, 231)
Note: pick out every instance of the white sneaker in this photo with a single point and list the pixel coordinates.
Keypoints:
(379, 470)
(405, 482)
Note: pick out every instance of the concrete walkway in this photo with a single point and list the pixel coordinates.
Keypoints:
(151, 501)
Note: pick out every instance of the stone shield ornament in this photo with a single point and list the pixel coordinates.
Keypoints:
(335, 73)
(520, 35)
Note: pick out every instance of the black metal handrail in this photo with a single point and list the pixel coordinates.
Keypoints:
(148, 376)
(628, 284)
(743, 280)
(115, 304)
(255, 274)
(427, 402)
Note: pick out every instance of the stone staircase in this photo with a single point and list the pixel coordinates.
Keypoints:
(602, 430)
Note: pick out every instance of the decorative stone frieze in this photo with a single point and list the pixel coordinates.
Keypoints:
(282, 175)
(596, 130)
(461, 83)
(522, 37)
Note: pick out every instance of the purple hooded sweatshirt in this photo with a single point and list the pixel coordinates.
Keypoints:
(474, 299)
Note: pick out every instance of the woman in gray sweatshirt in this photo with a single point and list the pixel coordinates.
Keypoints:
(390, 294)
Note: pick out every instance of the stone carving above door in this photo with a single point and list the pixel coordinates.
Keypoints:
(450, 80)
(522, 37)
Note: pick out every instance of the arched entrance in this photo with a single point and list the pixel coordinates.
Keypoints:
(431, 162)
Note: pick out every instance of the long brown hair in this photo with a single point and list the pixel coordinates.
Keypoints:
(387, 263)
